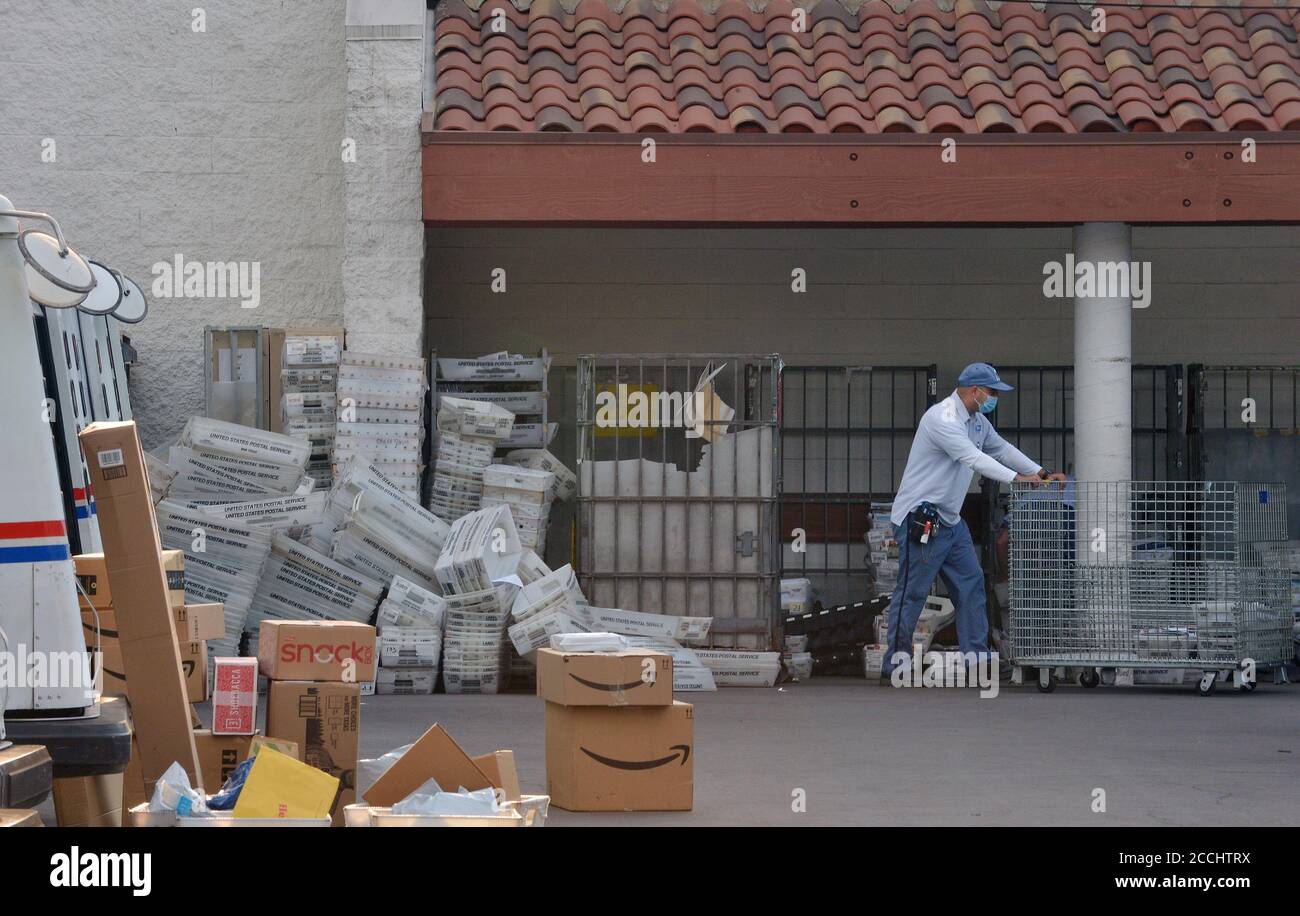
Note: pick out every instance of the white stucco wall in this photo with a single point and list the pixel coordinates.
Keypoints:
(221, 145)
(384, 238)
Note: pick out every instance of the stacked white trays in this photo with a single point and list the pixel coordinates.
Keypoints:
(381, 413)
(527, 492)
(474, 657)
(468, 434)
(309, 402)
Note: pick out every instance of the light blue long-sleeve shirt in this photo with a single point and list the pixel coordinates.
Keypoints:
(951, 444)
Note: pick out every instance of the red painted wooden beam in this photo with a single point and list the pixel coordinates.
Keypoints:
(896, 179)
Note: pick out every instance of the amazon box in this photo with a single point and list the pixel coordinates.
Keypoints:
(194, 662)
(173, 562)
(151, 658)
(99, 627)
(633, 677)
(92, 576)
(324, 720)
(317, 650)
(435, 755)
(620, 758)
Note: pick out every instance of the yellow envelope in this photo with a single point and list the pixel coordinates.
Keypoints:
(280, 786)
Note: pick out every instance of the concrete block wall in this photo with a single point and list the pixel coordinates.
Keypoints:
(384, 234)
(219, 145)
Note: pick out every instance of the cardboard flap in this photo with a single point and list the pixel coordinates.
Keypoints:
(436, 755)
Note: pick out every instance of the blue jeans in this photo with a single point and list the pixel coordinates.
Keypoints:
(951, 556)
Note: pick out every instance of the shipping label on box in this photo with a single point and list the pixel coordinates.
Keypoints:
(633, 677)
(234, 696)
(627, 758)
(321, 650)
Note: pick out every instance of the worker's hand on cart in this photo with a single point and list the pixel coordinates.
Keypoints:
(1030, 478)
(1057, 476)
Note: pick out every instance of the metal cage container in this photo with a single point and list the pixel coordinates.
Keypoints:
(679, 482)
(1150, 574)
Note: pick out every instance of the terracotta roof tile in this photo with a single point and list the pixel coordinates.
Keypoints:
(869, 66)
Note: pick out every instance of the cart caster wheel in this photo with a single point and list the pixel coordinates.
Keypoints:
(1046, 680)
(1249, 686)
(1089, 678)
(1206, 686)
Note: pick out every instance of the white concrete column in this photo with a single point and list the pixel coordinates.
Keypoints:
(1103, 435)
(1103, 360)
(383, 237)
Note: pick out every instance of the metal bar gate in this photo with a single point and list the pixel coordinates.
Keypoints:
(679, 480)
(846, 432)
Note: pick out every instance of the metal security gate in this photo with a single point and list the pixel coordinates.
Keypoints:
(1038, 418)
(679, 479)
(1244, 424)
(845, 432)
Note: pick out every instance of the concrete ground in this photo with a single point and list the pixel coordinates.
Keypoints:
(874, 755)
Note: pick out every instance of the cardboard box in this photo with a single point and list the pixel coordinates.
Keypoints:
(219, 755)
(623, 758)
(499, 767)
(234, 696)
(436, 755)
(324, 719)
(133, 557)
(133, 779)
(194, 662)
(200, 621)
(92, 575)
(89, 801)
(99, 627)
(283, 745)
(173, 562)
(633, 677)
(318, 650)
(20, 817)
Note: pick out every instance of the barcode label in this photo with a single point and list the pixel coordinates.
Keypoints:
(111, 458)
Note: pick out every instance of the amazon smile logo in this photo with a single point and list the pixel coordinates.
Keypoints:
(682, 750)
(597, 685)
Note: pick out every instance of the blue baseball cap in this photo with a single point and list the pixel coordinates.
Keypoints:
(983, 375)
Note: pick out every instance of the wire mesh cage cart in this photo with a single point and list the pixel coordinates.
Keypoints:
(1150, 575)
(679, 483)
